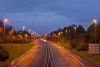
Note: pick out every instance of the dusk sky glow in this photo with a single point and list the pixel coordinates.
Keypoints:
(45, 16)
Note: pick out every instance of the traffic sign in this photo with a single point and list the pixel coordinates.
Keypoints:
(94, 48)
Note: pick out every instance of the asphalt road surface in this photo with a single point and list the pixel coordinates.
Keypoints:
(48, 54)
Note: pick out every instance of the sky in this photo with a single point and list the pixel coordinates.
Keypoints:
(43, 16)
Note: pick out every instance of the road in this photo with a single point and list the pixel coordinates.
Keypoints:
(48, 54)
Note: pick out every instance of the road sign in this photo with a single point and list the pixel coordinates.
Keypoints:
(94, 48)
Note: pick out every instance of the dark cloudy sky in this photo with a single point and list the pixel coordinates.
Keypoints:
(44, 16)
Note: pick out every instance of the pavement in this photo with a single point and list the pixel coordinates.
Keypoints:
(49, 54)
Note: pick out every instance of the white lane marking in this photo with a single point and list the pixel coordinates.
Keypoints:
(74, 57)
(50, 56)
(46, 54)
(53, 62)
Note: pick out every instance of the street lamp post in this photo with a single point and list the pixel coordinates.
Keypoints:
(5, 22)
(95, 22)
(66, 32)
(23, 27)
(29, 30)
(69, 36)
(75, 36)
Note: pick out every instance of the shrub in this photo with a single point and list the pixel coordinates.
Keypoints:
(4, 55)
(82, 47)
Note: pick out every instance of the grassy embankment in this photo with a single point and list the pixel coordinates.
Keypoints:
(84, 54)
(15, 50)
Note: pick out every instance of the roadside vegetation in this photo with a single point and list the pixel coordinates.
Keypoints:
(14, 51)
(13, 43)
(88, 56)
(77, 38)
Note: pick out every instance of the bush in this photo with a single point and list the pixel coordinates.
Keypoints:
(82, 47)
(3, 54)
(72, 46)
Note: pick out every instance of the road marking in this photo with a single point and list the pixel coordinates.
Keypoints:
(74, 57)
(46, 55)
(49, 56)
(53, 63)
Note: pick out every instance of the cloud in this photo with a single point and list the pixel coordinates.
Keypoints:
(41, 20)
(49, 14)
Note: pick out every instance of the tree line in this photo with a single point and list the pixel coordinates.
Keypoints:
(9, 35)
(77, 36)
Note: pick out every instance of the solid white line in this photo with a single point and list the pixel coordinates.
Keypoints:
(74, 58)
(50, 56)
(53, 62)
(46, 55)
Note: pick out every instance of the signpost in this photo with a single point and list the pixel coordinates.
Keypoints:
(94, 49)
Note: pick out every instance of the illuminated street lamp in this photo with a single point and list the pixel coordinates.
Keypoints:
(29, 30)
(5, 22)
(95, 22)
(66, 31)
(11, 32)
(59, 33)
(69, 35)
(75, 35)
(23, 28)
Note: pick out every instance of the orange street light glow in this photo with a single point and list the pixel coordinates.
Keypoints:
(5, 21)
(94, 21)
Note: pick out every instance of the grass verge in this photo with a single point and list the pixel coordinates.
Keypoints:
(14, 50)
(64, 45)
(88, 56)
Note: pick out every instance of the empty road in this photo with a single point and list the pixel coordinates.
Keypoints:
(48, 54)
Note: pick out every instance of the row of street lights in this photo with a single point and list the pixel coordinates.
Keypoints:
(24, 28)
(75, 28)
(95, 22)
(5, 21)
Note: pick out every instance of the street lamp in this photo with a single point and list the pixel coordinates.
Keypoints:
(23, 28)
(69, 35)
(59, 33)
(11, 31)
(5, 22)
(29, 30)
(66, 32)
(95, 22)
(75, 35)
